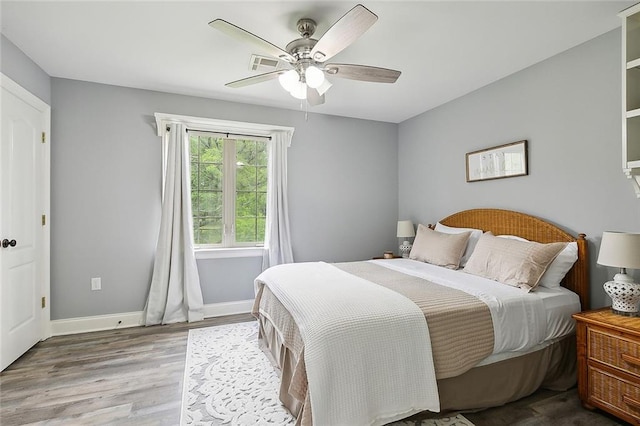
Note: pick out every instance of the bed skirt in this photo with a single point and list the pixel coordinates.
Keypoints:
(492, 385)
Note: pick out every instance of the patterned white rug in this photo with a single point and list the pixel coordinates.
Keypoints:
(228, 380)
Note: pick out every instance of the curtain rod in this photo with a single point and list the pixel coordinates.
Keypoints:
(226, 133)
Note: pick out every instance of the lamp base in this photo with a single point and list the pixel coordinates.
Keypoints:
(405, 248)
(625, 297)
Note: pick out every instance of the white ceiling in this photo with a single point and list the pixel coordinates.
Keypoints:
(444, 49)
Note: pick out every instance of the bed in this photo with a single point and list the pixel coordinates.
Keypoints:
(331, 368)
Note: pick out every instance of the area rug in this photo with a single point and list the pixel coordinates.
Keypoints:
(229, 380)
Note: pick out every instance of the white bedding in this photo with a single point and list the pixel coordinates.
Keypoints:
(547, 311)
(367, 352)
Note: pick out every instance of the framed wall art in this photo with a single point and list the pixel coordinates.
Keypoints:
(497, 162)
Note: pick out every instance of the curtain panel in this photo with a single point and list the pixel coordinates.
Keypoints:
(277, 239)
(175, 294)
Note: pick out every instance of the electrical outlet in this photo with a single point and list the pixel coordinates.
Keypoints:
(96, 283)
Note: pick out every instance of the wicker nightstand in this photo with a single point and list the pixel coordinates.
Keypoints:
(609, 363)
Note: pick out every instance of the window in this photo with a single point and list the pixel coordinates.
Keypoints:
(228, 190)
(229, 185)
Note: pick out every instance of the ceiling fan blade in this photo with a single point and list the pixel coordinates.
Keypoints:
(255, 79)
(247, 37)
(362, 73)
(344, 32)
(313, 97)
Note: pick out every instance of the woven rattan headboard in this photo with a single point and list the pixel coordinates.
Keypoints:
(507, 222)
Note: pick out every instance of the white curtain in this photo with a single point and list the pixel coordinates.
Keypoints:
(277, 235)
(175, 294)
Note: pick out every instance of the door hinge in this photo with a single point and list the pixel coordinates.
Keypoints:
(44, 219)
(44, 302)
(44, 137)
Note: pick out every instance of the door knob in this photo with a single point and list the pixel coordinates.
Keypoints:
(6, 243)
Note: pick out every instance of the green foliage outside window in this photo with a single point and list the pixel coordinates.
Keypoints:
(208, 187)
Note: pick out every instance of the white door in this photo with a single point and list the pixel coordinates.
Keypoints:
(23, 188)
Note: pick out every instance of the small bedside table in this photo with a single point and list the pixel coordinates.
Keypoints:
(609, 363)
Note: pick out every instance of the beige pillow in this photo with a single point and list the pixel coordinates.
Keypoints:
(512, 262)
(439, 248)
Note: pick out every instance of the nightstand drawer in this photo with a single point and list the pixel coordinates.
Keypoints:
(614, 350)
(613, 392)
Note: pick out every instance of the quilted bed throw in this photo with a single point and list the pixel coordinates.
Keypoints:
(367, 348)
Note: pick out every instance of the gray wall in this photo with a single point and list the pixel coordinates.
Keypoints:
(569, 109)
(21, 69)
(343, 173)
(106, 178)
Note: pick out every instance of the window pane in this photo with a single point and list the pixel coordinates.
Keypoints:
(206, 189)
(211, 149)
(246, 230)
(261, 227)
(207, 230)
(246, 204)
(246, 152)
(261, 204)
(210, 204)
(245, 178)
(210, 177)
(251, 187)
(261, 154)
(261, 179)
(193, 148)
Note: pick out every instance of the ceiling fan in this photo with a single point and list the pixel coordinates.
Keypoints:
(306, 56)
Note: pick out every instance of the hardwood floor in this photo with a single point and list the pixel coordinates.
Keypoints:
(133, 376)
(129, 376)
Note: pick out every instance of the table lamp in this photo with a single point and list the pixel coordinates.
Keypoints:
(621, 250)
(406, 231)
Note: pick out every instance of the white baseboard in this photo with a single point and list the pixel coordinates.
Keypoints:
(228, 308)
(95, 323)
(134, 319)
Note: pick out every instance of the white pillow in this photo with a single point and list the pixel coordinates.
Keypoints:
(559, 267)
(471, 244)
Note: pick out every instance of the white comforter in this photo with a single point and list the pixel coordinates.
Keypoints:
(367, 348)
(519, 318)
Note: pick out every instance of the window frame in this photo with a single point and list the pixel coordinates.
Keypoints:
(229, 189)
(227, 129)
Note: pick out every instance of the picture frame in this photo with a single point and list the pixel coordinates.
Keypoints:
(498, 162)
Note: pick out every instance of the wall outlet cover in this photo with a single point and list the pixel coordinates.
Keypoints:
(96, 284)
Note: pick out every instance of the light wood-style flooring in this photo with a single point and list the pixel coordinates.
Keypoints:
(133, 376)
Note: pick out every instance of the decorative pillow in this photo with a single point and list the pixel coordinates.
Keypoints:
(438, 248)
(471, 244)
(555, 273)
(512, 262)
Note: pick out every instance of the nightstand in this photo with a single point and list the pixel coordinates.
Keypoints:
(609, 363)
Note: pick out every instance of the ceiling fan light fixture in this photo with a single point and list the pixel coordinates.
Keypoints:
(299, 91)
(289, 80)
(314, 77)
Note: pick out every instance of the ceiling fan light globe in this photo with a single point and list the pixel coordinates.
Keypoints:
(289, 80)
(314, 77)
(299, 91)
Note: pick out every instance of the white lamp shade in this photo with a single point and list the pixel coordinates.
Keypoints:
(289, 80)
(620, 250)
(314, 77)
(299, 91)
(405, 229)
